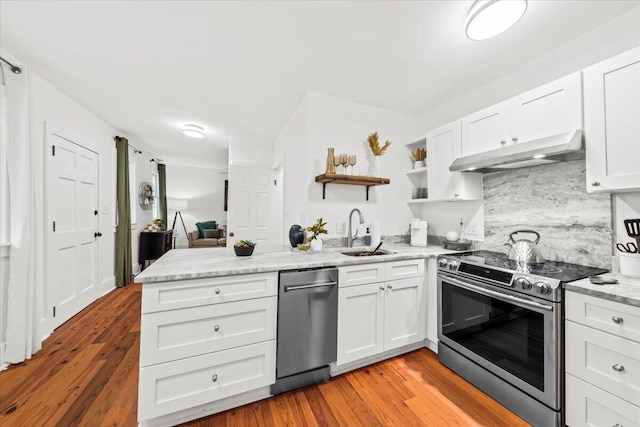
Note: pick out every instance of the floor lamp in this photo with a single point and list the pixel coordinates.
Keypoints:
(178, 206)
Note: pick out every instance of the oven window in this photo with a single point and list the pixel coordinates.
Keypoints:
(504, 334)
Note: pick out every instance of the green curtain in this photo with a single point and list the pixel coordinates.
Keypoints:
(162, 193)
(123, 230)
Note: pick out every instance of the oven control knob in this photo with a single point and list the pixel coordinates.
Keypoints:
(543, 288)
(452, 265)
(442, 262)
(524, 283)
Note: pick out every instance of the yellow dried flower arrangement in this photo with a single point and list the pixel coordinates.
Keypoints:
(374, 144)
(420, 154)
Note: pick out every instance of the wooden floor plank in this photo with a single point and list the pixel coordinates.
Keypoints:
(87, 375)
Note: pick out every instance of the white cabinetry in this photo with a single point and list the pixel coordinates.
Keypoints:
(384, 314)
(612, 123)
(602, 353)
(205, 340)
(443, 147)
(548, 110)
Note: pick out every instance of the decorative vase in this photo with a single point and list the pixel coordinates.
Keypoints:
(331, 167)
(316, 244)
(296, 235)
(418, 164)
(377, 168)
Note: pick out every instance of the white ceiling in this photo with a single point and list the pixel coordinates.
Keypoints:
(239, 69)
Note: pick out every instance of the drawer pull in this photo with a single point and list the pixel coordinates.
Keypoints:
(389, 287)
(382, 288)
(217, 291)
(216, 328)
(617, 319)
(618, 367)
(214, 378)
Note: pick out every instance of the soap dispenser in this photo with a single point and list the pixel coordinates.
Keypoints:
(367, 238)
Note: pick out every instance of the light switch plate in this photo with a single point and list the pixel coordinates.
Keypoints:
(341, 227)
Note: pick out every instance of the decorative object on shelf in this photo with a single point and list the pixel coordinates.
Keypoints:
(374, 144)
(145, 195)
(368, 181)
(315, 230)
(244, 247)
(296, 235)
(419, 156)
(344, 161)
(352, 161)
(331, 166)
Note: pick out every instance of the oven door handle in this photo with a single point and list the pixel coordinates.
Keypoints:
(500, 295)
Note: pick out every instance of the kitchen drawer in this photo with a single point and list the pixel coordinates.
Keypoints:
(404, 269)
(587, 405)
(186, 383)
(360, 274)
(609, 316)
(176, 334)
(213, 290)
(604, 360)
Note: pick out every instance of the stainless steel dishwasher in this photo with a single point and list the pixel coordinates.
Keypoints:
(307, 327)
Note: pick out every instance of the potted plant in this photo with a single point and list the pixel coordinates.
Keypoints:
(315, 230)
(419, 156)
(377, 150)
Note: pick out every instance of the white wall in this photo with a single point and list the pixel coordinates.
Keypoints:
(204, 191)
(144, 168)
(321, 122)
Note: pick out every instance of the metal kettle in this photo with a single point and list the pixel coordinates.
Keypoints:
(524, 250)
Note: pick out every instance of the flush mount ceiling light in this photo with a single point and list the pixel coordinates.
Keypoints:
(488, 18)
(194, 131)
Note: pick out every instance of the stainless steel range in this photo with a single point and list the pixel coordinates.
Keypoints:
(500, 326)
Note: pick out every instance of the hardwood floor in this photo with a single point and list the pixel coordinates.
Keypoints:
(87, 375)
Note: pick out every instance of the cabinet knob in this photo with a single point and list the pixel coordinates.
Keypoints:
(214, 378)
(382, 288)
(618, 367)
(595, 184)
(389, 287)
(503, 141)
(217, 291)
(456, 195)
(514, 139)
(216, 328)
(617, 319)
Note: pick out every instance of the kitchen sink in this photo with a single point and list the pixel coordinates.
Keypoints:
(366, 253)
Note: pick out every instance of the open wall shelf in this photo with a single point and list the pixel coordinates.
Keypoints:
(367, 181)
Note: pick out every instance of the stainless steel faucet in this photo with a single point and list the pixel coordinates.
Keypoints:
(349, 236)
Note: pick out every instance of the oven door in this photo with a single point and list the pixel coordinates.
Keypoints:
(515, 338)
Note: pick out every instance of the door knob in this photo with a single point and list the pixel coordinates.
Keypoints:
(231, 234)
(97, 234)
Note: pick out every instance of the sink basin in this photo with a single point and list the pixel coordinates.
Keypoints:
(365, 253)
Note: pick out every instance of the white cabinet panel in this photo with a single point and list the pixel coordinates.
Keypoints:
(182, 384)
(550, 109)
(404, 269)
(486, 129)
(404, 312)
(612, 124)
(360, 321)
(589, 406)
(177, 334)
(360, 274)
(213, 290)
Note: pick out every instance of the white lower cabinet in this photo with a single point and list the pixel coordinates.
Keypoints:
(602, 362)
(381, 316)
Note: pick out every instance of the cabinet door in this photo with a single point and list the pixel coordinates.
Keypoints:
(443, 147)
(485, 130)
(548, 110)
(611, 124)
(404, 312)
(360, 317)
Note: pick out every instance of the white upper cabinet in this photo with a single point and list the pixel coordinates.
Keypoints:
(486, 129)
(612, 123)
(548, 110)
(443, 147)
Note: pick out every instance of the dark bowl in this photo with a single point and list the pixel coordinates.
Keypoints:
(243, 251)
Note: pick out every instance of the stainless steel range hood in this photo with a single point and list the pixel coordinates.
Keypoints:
(556, 148)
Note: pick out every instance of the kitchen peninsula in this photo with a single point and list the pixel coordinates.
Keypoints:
(209, 321)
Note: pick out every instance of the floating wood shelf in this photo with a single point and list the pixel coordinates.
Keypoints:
(368, 181)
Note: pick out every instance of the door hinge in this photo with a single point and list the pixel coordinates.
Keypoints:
(53, 150)
(54, 226)
(275, 182)
(54, 311)
(95, 212)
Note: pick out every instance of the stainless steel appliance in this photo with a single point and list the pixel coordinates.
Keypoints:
(307, 327)
(500, 326)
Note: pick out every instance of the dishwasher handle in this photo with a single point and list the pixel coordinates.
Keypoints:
(315, 285)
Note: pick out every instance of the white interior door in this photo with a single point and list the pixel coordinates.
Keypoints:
(72, 203)
(251, 204)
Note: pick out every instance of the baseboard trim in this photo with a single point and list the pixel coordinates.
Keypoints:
(337, 370)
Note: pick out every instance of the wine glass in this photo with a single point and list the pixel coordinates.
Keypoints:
(352, 161)
(344, 161)
(336, 162)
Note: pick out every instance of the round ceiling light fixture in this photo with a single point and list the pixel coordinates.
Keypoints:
(488, 18)
(194, 131)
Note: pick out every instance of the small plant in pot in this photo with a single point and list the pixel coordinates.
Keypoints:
(244, 247)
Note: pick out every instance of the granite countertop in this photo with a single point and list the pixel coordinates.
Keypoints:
(626, 291)
(183, 264)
